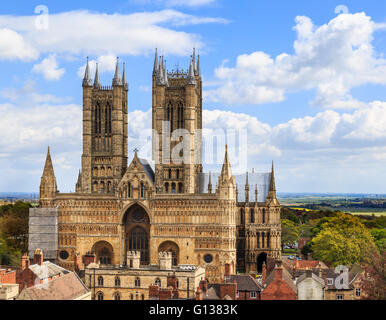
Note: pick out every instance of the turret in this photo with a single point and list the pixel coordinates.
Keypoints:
(155, 67)
(198, 66)
(191, 78)
(125, 84)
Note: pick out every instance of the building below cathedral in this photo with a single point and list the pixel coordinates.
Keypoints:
(122, 206)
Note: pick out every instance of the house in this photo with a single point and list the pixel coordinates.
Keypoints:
(278, 285)
(232, 287)
(44, 280)
(65, 287)
(310, 286)
(9, 289)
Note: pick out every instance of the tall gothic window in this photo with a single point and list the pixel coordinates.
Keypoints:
(252, 216)
(138, 241)
(129, 190)
(262, 239)
(263, 215)
(137, 282)
(166, 187)
(268, 240)
(258, 239)
(100, 281)
(241, 216)
(117, 282)
(142, 191)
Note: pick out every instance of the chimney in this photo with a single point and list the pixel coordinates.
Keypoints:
(264, 274)
(25, 262)
(204, 286)
(278, 271)
(199, 295)
(227, 273)
(38, 257)
(153, 291)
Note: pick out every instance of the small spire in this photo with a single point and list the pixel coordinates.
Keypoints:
(124, 77)
(166, 75)
(272, 186)
(155, 68)
(210, 183)
(117, 81)
(191, 79)
(246, 181)
(87, 82)
(226, 167)
(97, 83)
(256, 193)
(198, 66)
(194, 60)
(246, 188)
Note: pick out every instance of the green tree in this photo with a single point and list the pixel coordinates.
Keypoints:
(342, 239)
(289, 232)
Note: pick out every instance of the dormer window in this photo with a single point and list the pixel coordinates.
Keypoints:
(330, 281)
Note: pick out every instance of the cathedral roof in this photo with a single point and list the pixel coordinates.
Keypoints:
(262, 180)
(148, 169)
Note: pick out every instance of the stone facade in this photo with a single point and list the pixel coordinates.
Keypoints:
(120, 207)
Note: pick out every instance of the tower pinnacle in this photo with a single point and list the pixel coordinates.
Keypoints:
(87, 82)
(117, 81)
(97, 83)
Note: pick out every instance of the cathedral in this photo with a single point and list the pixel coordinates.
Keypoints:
(124, 205)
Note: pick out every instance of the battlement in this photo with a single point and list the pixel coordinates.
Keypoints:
(165, 255)
(133, 254)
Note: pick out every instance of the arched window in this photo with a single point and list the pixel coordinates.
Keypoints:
(95, 187)
(117, 296)
(263, 220)
(173, 188)
(178, 173)
(99, 296)
(267, 239)
(131, 297)
(129, 190)
(170, 173)
(157, 282)
(180, 188)
(102, 186)
(178, 284)
(241, 216)
(262, 239)
(142, 190)
(258, 239)
(100, 281)
(137, 282)
(117, 282)
(166, 187)
(108, 186)
(252, 216)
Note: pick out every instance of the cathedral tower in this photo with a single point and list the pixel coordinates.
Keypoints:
(48, 187)
(177, 120)
(105, 120)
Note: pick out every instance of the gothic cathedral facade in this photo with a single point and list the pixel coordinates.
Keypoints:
(122, 206)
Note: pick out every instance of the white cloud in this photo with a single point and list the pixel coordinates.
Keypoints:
(13, 46)
(84, 32)
(332, 58)
(49, 68)
(188, 3)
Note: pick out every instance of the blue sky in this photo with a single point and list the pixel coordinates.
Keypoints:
(306, 82)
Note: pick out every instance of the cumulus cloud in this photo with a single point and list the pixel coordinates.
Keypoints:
(13, 46)
(49, 68)
(84, 32)
(332, 58)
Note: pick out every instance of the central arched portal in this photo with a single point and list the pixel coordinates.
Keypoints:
(261, 259)
(137, 231)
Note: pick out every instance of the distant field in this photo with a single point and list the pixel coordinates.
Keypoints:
(369, 213)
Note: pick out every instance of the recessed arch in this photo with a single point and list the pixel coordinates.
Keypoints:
(261, 258)
(170, 246)
(103, 251)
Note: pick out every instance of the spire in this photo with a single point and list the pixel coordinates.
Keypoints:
(117, 81)
(226, 167)
(246, 188)
(165, 75)
(48, 179)
(97, 83)
(256, 193)
(194, 61)
(191, 79)
(198, 66)
(210, 183)
(161, 72)
(124, 77)
(87, 82)
(272, 186)
(78, 186)
(155, 68)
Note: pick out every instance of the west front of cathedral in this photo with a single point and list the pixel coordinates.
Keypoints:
(124, 205)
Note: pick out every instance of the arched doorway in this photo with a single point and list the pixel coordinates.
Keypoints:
(137, 230)
(261, 258)
(103, 252)
(170, 246)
